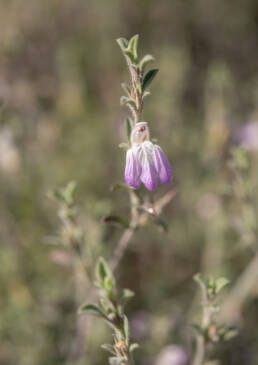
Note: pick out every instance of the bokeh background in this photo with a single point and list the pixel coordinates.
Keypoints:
(60, 120)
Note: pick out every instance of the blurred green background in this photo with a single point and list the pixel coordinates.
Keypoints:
(60, 75)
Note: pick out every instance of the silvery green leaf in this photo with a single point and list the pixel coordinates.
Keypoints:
(220, 283)
(101, 270)
(123, 100)
(126, 100)
(104, 274)
(108, 348)
(108, 283)
(211, 287)
(127, 294)
(133, 347)
(145, 94)
(130, 55)
(126, 330)
(230, 333)
(106, 304)
(123, 43)
(145, 60)
(91, 309)
(124, 145)
(148, 78)
(116, 360)
(111, 316)
(69, 192)
(200, 279)
(105, 278)
(133, 46)
(126, 88)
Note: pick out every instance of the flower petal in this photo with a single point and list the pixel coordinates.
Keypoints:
(132, 170)
(162, 165)
(149, 175)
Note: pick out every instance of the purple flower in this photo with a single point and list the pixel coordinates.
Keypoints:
(172, 355)
(145, 161)
(247, 135)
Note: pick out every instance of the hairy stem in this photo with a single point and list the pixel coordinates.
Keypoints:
(199, 357)
(128, 233)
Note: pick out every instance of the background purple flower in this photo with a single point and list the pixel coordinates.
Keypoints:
(172, 355)
(247, 135)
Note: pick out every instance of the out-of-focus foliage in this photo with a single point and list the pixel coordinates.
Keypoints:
(60, 120)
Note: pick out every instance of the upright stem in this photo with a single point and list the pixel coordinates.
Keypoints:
(200, 351)
(199, 357)
(137, 89)
(128, 233)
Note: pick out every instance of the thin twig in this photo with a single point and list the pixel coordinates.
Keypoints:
(128, 233)
(160, 204)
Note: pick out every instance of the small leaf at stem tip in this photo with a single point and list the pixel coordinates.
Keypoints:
(69, 192)
(123, 43)
(126, 88)
(133, 347)
(91, 309)
(105, 278)
(126, 100)
(104, 274)
(108, 283)
(200, 279)
(129, 127)
(101, 270)
(133, 46)
(114, 219)
(108, 348)
(145, 94)
(127, 294)
(148, 78)
(145, 60)
(220, 283)
(130, 55)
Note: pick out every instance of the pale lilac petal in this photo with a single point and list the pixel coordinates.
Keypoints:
(162, 165)
(132, 170)
(149, 175)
